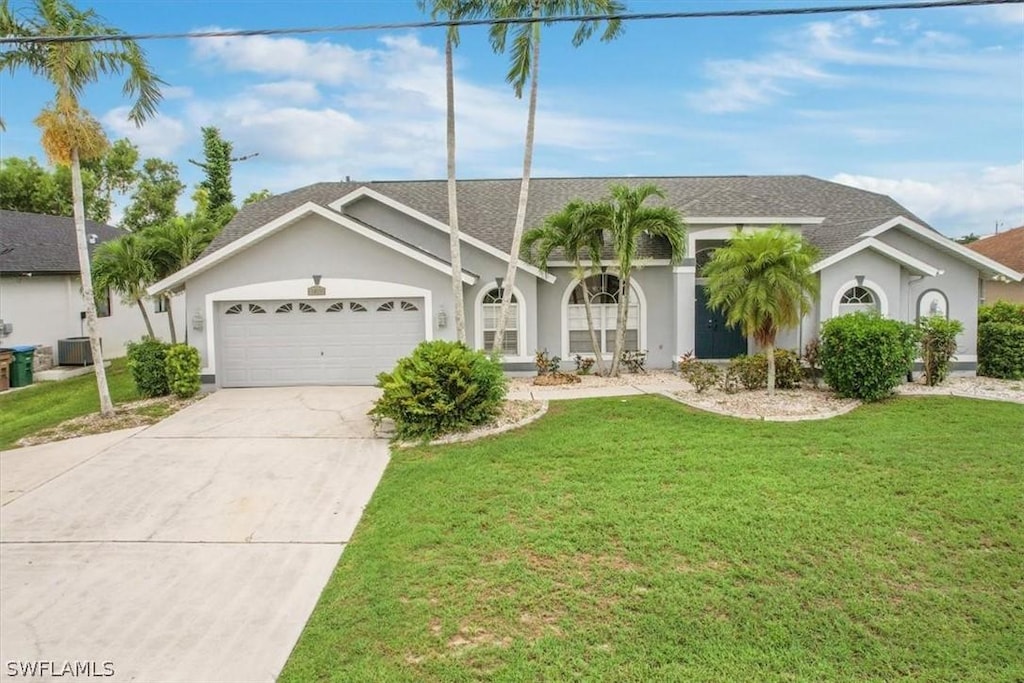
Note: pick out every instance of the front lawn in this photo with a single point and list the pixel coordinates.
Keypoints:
(637, 539)
(47, 404)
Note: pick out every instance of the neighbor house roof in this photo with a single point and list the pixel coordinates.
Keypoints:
(487, 208)
(1005, 247)
(36, 243)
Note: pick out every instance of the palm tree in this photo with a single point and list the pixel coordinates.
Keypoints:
(122, 266)
(70, 134)
(172, 245)
(453, 9)
(525, 66)
(576, 231)
(626, 219)
(763, 282)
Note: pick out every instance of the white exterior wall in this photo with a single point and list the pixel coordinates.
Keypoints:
(45, 308)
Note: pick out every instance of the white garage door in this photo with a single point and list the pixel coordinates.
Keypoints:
(283, 343)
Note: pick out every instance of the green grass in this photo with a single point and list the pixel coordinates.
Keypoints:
(48, 404)
(640, 540)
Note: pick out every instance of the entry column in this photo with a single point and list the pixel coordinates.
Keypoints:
(684, 279)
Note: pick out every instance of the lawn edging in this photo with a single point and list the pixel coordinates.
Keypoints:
(763, 418)
(480, 433)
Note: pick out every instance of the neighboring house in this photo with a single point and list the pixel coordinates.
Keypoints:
(329, 284)
(1006, 248)
(41, 291)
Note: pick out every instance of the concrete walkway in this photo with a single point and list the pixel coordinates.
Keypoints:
(193, 550)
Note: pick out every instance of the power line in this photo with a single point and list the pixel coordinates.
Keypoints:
(641, 16)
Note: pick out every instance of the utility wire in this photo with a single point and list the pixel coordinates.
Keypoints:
(630, 16)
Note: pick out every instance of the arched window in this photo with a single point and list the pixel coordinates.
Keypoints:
(858, 298)
(603, 292)
(490, 309)
(932, 303)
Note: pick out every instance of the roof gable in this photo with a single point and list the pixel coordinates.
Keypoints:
(211, 259)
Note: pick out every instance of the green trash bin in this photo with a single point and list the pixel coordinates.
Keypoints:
(21, 368)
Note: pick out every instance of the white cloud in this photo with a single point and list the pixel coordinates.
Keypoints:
(160, 136)
(176, 92)
(1008, 14)
(296, 92)
(970, 200)
(283, 57)
(384, 118)
(744, 84)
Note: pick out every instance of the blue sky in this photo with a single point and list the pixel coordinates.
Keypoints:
(924, 105)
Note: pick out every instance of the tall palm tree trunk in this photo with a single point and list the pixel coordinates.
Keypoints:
(524, 190)
(106, 405)
(145, 317)
(621, 320)
(594, 342)
(769, 351)
(453, 202)
(170, 319)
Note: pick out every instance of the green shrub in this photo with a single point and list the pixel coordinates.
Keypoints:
(583, 364)
(938, 346)
(182, 365)
(752, 371)
(545, 364)
(1001, 350)
(443, 387)
(865, 356)
(146, 362)
(1001, 312)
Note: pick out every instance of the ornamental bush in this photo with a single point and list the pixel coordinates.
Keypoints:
(441, 388)
(1001, 350)
(752, 371)
(866, 356)
(938, 346)
(1001, 312)
(182, 365)
(146, 362)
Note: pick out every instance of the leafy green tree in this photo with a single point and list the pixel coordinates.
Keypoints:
(625, 218)
(122, 265)
(453, 9)
(257, 196)
(155, 198)
(27, 186)
(70, 133)
(575, 232)
(172, 245)
(968, 238)
(115, 172)
(763, 282)
(525, 67)
(216, 184)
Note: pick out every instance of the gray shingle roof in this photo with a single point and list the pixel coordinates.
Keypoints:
(487, 208)
(36, 243)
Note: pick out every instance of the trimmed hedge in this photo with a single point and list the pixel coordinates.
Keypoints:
(147, 363)
(182, 365)
(865, 356)
(1001, 350)
(1001, 312)
(443, 387)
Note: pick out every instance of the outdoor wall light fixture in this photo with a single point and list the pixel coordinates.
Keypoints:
(499, 281)
(197, 322)
(316, 279)
(860, 280)
(442, 319)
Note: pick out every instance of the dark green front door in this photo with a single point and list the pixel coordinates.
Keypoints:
(713, 338)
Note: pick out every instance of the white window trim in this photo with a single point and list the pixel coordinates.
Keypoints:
(876, 290)
(478, 311)
(297, 290)
(641, 299)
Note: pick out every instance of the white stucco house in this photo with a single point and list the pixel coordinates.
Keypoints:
(41, 291)
(331, 283)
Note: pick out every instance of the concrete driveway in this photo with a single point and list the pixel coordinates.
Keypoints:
(193, 550)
